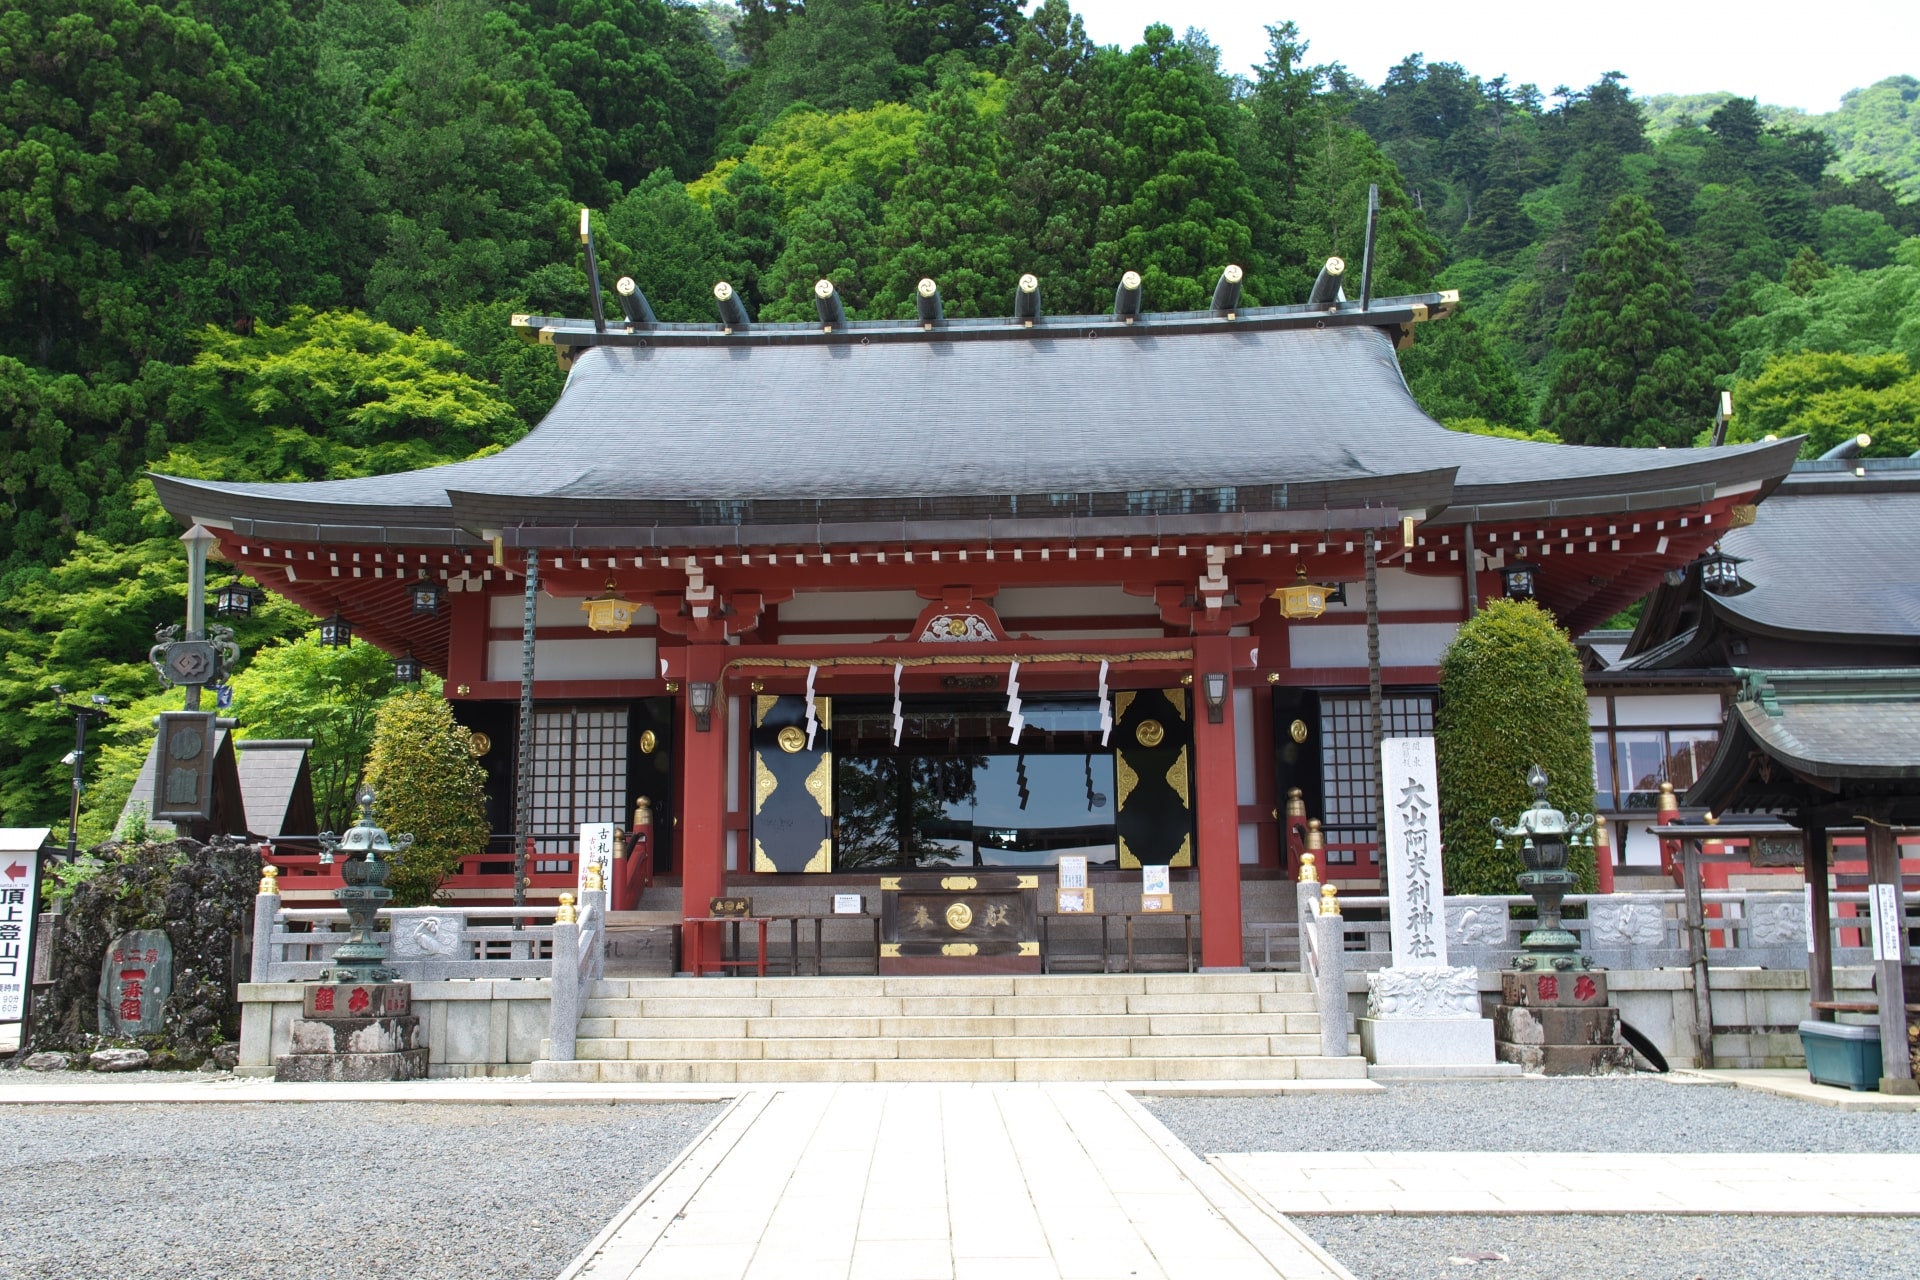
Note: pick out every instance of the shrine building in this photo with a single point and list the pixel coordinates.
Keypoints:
(848, 598)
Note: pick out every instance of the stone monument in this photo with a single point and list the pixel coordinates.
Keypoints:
(1553, 1016)
(136, 977)
(1423, 1015)
(357, 1022)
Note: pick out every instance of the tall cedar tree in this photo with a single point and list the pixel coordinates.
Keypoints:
(1184, 208)
(1060, 157)
(835, 54)
(748, 209)
(947, 216)
(834, 239)
(1634, 365)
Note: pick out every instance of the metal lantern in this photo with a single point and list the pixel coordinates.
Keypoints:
(425, 595)
(1546, 837)
(1720, 572)
(1519, 580)
(1303, 599)
(235, 600)
(336, 632)
(609, 612)
(406, 668)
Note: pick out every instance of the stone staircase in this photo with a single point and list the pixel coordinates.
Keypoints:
(1130, 1027)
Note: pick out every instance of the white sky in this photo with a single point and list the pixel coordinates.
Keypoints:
(1792, 56)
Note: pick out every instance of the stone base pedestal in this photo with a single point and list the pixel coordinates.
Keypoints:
(1559, 1024)
(355, 1032)
(1427, 1042)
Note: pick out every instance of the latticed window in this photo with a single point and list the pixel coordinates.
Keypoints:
(579, 772)
(1350, 765)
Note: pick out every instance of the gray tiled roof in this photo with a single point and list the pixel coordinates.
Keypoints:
(1054, 410)
(269, 772)
(1821, 563)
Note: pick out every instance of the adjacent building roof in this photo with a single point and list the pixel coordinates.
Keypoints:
(1274, 415)
(275, 785)
(1824, 565)
(1811, 739)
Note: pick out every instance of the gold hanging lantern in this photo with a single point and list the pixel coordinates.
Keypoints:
(609, 612)
(1303, 599)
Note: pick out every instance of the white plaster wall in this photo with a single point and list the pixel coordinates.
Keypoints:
(834, 606)
(1406, 644)
(1071, 602)
(615, 657)
(1402, 590)
(1668, 708)
(550, 611)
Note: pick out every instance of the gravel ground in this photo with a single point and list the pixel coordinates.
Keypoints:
(1628, 1113)
(323, 1190)
(1607, 1115)
(1633, 1247)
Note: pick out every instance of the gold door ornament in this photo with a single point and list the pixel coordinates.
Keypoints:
(959, 916)
(1151, 733)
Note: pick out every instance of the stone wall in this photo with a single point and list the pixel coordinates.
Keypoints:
(202, 896)
(483, 1027)
(1756, 1012)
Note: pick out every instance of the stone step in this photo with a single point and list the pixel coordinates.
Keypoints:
(681, 1010)
(800, 1070)
(746, 1048)
(1037, 985)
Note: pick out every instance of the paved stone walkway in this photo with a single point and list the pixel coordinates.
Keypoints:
(1572, 1182)
(900, 1182)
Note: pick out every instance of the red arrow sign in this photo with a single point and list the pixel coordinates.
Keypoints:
(15, 870)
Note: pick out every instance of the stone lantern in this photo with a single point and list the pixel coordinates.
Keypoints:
(1546, 837)
(367, 850)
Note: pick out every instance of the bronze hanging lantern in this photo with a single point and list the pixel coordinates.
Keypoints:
(336, 632)
(1303, 599)
(609, 612)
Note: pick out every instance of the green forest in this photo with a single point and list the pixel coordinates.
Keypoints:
(281, 240)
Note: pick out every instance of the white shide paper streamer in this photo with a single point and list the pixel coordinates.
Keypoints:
(1015, 721)
(1106, 708)
(898, 719)
(812, 722)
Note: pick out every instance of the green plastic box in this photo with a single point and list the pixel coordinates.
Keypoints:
(1840, 1053)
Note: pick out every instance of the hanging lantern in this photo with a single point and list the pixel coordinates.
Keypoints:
(1303, 599)
(1720, 572)
(609, 612)
(235, 600)
(1519, 580)
(336, 632)
(425, 595)
(406, 668)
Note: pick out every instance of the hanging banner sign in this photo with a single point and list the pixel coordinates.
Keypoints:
(19, 893)
(597, 841)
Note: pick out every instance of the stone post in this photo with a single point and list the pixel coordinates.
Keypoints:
(1331, 983)
(266, 912)
(563, 1020)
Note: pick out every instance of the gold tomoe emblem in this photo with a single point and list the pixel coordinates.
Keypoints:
(959, 916)
(1297, 731)
(1150, 733)
(648, 741)
(791, 739)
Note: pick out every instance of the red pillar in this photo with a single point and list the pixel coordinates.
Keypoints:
(703, 800)
(1216, 810)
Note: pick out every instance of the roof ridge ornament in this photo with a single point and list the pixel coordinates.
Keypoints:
(826, 301)
(1026, 300)
(926, 299)
(1126, 298)
(733, 312)
(634, 303)
(1226, 293)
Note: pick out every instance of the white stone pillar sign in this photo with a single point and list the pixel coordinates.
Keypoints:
(1413, 853)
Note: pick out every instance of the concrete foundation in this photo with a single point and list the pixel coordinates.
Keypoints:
(1427, 1042)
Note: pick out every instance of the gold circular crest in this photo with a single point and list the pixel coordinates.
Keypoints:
(478, 744)
(791, 739)
(1297, 731)
(959, 916)
(648, 741)
(1150, 733)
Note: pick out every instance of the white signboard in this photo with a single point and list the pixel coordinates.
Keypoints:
(1073, 871)
(1156, 880)
(848, 904)
(597, 841)
(1813, 927)
(1886, 924)
(19, 892)
(1413, 853)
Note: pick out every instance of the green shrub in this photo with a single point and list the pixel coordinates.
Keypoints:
(1510, 697)
(429, 786)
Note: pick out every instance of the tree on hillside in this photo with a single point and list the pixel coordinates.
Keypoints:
(426, 784)
(1632, 361)
(981, 31)
(1183, 207)
(1511, 697)
(948, 215)
(833, 238)
(833, 54)
(1830, 397)
(673, 247)
(747, 209)
(1456, 373)
(1060, 158)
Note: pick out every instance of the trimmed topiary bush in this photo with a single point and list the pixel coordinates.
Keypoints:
(428, 785)
(1511, 697)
